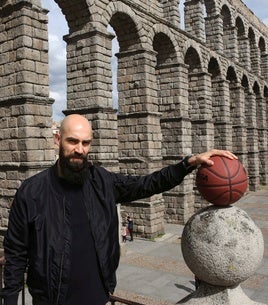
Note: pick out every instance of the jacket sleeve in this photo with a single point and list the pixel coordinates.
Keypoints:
(130, 188)
(15, 251)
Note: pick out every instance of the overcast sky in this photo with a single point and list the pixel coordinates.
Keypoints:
(57, 28)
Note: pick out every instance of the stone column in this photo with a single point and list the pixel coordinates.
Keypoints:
(25, 108)
(176, 136)
(194, 19)
(244, 51)
(139, 133)
(261, 116)
(171, 12)
(255, 56)
(239, 131)
(230, 43)
(252, 141)
(221, 115)
(201, 111)
(89, 83)
(264, 66)
(214, 31)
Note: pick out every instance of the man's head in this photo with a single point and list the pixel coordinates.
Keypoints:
(74, 141)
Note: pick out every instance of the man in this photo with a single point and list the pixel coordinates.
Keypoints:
(63, 224)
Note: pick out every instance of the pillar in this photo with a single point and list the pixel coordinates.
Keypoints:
(194, 19)
(25, 108)
(139, 133)
(89, 83)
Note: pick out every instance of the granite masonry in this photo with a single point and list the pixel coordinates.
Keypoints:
(185, 85)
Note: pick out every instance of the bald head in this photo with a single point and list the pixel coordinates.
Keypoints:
(75, 121)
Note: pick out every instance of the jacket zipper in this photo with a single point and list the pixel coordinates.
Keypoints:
(62, 259)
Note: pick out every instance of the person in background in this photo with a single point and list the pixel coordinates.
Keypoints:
(124, 232)
(130, 227)
(63, 224)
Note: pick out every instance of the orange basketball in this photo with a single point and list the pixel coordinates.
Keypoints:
(224, 182)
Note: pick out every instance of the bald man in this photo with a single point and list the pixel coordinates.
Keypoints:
(63, 224)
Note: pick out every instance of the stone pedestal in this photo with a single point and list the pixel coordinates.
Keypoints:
(223, 247)
(216, 295)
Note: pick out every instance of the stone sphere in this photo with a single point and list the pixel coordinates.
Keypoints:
(222, 245)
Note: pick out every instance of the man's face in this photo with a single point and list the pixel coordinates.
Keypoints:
(74, 145)
(73, 153)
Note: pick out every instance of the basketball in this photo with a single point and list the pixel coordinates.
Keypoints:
(224, 182)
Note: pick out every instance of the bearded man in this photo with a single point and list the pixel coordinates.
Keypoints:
(63, 224)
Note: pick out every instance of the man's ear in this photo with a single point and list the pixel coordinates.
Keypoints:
(57, 139)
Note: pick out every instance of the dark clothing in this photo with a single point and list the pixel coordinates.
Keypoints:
(130, 228)
(85, 284)
(39, 234)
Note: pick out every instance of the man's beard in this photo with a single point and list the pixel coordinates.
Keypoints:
(73, 172)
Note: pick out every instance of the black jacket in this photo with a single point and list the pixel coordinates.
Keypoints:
(39, 235)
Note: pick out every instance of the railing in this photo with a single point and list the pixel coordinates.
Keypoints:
(113, 299)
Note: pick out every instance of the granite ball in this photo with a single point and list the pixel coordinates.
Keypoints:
(222, 245)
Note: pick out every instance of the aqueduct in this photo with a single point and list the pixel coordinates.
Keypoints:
(180, 91)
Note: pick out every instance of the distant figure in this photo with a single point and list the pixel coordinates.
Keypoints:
(124, 232)
(130, 227)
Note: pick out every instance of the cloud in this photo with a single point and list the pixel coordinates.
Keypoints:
(57, 74)
(57, 28)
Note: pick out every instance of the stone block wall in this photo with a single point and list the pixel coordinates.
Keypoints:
(180, 91)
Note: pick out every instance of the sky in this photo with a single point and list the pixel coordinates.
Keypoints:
(57, 28)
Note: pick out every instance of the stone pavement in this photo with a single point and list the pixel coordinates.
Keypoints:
(154, 272)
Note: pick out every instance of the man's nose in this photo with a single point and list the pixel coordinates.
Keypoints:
(79, 148)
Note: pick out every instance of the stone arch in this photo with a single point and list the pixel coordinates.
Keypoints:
(265, 94)
(226, 16)
(77, 15)
(210, 7)
(240, 27)
(164, 30)
(165, 50)
(214, 68)
(193, 59)
(116, 8)
(122, 24)
(231, 74)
